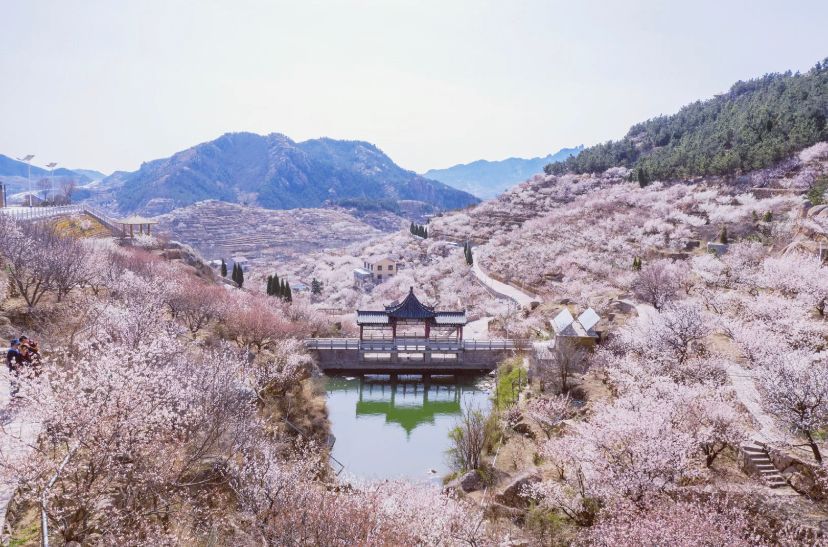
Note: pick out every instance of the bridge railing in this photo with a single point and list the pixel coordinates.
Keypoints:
(332, 343)
(411, 344)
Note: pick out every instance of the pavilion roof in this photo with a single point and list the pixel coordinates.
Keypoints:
(136, 220)
(410, 308)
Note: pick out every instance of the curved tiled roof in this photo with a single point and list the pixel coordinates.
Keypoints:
(410, 308)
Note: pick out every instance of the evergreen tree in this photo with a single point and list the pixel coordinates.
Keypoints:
(816, 195)
(283, 289)
(241, 277)
(643, 179)
(636, 264)
(723, 236)
(468, 252)
(288, 293)
(413, 229)
(235, 275)
(755, 216)
(269, 289)
(316, 286)
(425, 232)
(768, 217)
(223, 268)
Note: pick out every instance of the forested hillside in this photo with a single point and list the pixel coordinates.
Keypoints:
(754, 125)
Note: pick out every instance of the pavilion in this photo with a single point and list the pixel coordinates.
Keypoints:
(411, 319)
(133, 222)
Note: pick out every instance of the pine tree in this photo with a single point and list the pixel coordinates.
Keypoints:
(288, 293)
(283, 289)
(269, 289)
(768, 217)
(643, 179)
(241, 277)
(235, 275)
(223, 268)
(467, 251)
(316, 286)
(723, 239)
(425, 232)
(413, 229)
(636, 264)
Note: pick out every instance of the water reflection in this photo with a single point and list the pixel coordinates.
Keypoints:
(397, 426)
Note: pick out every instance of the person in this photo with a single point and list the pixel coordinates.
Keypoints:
(29, 349)
(14, 361)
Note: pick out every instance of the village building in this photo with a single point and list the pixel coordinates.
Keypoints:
(580, 330)
(299, 287)
(375, 270)
(241, 261)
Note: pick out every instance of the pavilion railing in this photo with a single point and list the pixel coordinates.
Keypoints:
(420, 344)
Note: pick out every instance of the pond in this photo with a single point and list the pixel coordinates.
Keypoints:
(388, 429)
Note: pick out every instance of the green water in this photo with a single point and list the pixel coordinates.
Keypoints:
(398, 429)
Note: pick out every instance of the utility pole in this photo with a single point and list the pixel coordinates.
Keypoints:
(49, 189)
(28, 161)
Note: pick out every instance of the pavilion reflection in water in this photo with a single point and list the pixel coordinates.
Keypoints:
(408, 402)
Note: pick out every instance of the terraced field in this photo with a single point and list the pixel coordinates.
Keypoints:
(219, 230)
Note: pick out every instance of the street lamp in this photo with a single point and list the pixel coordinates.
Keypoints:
(28, 161)
(51, 167)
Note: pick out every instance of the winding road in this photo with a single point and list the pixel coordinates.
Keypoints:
(504, 290)
(17, 436)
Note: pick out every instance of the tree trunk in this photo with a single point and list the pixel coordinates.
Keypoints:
(812, 443)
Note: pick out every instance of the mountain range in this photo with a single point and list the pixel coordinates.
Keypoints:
(10, 167)
(486, 179)
(275, 172)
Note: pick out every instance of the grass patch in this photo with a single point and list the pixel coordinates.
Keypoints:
(80, 226)
(492, 432)
(26, 533)
(510, 380)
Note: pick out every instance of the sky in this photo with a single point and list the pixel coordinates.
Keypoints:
(109, 84)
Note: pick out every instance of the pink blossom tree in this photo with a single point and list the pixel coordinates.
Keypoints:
(796, 392)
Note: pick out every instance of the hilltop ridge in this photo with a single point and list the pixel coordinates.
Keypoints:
(275, 172)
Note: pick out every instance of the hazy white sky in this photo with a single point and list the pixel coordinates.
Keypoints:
(109, 84)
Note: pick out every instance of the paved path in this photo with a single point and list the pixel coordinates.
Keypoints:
(644, 311)
(745, 387)
(17, 434)
(478, 329)
(522, 299)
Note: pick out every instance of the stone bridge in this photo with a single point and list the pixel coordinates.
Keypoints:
(412, 355)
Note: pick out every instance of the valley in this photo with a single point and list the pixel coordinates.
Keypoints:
(240, 337)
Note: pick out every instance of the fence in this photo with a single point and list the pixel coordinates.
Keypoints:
(25, 214)
(37, 213)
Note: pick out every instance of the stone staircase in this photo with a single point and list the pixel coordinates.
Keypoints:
(756, 456)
